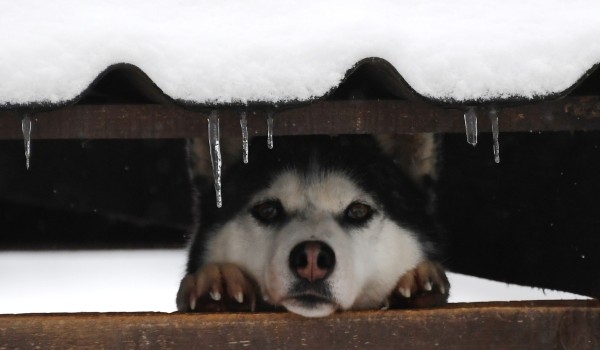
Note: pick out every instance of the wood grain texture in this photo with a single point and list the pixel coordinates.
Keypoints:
(514, 325)
(149, 121)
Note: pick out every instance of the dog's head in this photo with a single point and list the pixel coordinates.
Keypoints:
(329, 225)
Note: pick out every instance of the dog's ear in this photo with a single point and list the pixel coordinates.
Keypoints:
(417, 155)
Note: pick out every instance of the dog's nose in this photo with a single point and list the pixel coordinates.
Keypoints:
(312, 260)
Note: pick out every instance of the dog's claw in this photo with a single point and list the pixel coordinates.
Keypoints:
(216, 296)
(424, 286)
(386, 305)
(405, 292)
(239, 297)
(192, 302)
(427, 286)
(217, 287)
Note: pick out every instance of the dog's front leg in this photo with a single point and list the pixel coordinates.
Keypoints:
(217, 287)
(424, 286)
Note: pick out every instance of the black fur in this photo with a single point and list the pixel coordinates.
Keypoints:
(359, 156)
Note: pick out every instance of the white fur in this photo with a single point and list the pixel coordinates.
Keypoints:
(369, 260)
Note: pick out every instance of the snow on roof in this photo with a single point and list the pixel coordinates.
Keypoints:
(206, 52)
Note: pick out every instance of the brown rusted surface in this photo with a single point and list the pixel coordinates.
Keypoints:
(584, 107)
(515, 325)
(326, 117)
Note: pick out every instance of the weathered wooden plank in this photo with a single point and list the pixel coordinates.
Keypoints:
(515, 325)
(326, 117)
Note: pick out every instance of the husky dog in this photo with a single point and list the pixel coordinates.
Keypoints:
(316, 225)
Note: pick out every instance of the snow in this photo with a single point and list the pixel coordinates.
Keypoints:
(236, 51)
(81, 281)
(147, 280)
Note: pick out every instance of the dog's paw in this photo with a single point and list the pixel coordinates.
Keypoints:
(424, 286)
(217, 287)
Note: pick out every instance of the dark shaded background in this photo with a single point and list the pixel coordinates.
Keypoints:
(533, 219)
(94, 194)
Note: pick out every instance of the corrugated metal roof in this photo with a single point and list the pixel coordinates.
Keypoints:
(202, 53)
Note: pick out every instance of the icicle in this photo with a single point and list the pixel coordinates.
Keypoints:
(215, 153)
(270, 118)
(494, 120)
(244, 125)
(471, 126)
(26, 128)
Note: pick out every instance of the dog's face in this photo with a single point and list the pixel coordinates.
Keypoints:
(316, 242)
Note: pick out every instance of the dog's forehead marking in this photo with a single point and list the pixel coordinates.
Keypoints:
(326, 191)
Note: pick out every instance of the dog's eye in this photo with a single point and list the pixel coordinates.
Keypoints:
(358, 212)
(268, 212)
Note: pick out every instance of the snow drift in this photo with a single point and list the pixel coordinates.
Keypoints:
(265, 51)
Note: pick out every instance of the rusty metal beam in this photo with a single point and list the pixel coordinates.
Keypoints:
(515, 325)
(326, 117)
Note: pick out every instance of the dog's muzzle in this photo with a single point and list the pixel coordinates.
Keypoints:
(311, 262)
